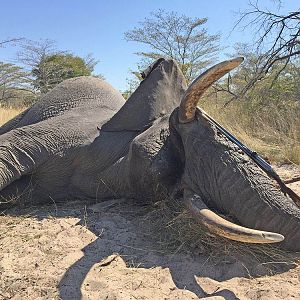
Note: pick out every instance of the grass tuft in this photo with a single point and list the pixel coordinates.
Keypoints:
(7, 113)
(273, 133)
(183, 234)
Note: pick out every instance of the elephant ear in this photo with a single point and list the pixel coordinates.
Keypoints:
(158, 94)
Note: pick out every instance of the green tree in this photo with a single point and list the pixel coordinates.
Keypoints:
(49, 66)
(182, 38)
(56, 68)
(13, 81)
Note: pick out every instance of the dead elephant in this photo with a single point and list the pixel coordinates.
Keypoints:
(82, 140)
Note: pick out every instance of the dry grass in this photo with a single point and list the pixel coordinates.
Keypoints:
(272, 133)
(7, 113)
(183, 234)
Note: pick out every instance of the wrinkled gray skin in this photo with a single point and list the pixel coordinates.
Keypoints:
(83, 140)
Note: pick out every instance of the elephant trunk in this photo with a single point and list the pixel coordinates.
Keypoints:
(265, 207)
(231, 183)
(255, 200)
(14, 161)
(21, 152)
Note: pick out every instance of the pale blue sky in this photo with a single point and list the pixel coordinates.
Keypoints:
(91, 26)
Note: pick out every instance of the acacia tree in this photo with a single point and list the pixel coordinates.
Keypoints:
(49, 66)
(12, 79)
(182, 38)
(31, 55)
(277, 38)
(9, 41)
(55, 68)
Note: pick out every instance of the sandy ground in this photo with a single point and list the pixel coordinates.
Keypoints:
(110, 251)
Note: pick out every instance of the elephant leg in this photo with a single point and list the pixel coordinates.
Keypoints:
(18, 193)
(23, 192)
(23, 150)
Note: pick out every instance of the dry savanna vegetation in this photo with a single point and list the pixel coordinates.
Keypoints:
(267, 117)
(7, 113)
(120, 249)
(273, 133)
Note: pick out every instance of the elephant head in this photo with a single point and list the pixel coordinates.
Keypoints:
(219, 176)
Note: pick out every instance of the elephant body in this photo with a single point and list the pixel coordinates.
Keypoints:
(82, 140)
(69, 145)
(51, 134)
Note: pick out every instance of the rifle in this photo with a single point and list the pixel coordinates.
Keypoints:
(264, 165)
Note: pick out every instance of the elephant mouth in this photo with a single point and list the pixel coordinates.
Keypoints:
(221, 227)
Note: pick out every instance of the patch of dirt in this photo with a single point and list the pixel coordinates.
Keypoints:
(290, 173)
(112, 250)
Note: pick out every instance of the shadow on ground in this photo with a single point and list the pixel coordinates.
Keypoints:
(125, 234)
